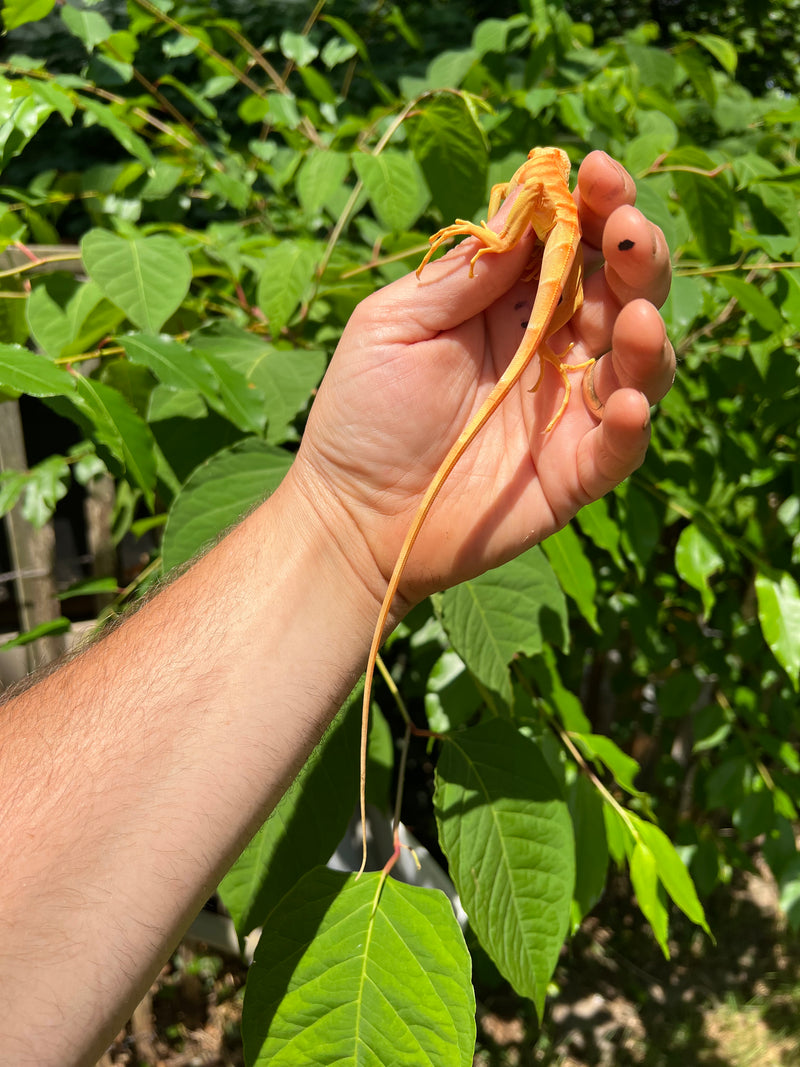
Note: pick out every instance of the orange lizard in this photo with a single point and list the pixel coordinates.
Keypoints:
(543, 201)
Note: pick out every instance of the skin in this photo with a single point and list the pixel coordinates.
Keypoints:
(131, 776)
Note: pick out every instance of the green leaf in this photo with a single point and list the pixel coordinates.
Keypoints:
(89, 26)
(754, 302)
(696, 559)
(284, 377)
(18, 12)
(646, 886)
(671, 870)
(242, 402)
(346, 31)
(518, 607)
(448, 69)
(174, 364)
(600, 528)
(22, 371)
(61, 315)
(11, 485)
(304, 829)
(574, 571)
(507, 835)
(355, 972)
(89, 587)
(395, 187)
(490, 35)
(779, 615)
(20, 121)
(654, 66)
(451, 149)
(55, 97)
(336, 51)
(720, 48)
(218, 493)
(286, 274)
(321, 178)
(298, 48)
(544, 670)
(623, 767)
(44, 629)
(591, 847)
(46, 484)
(451, 697)
(146, 277)
(109, 421)
(707, 200)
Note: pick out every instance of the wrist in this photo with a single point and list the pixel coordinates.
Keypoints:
(339, 546)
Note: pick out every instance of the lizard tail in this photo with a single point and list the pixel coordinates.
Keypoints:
(559, 253)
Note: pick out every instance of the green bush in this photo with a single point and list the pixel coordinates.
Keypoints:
(236, 189)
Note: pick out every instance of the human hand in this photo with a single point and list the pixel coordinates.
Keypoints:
(418, 357)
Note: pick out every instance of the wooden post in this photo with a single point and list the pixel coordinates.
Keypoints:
(32, 551)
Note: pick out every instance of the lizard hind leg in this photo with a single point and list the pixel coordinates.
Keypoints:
(557, 360)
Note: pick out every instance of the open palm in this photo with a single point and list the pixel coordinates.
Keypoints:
(419, 357)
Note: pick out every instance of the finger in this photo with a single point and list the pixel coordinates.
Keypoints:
(616, 447)
(637, 257)
(641, 356)
(603, 186)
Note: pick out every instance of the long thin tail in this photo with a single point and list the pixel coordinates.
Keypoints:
(559, 254)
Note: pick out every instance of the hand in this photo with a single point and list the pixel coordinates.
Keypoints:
(418, 357)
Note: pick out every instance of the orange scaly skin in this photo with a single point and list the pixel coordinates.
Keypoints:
(544, 202)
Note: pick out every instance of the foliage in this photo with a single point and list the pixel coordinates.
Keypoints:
(630, 684)
(764, 36)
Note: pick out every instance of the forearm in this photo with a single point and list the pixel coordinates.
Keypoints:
(133, 775)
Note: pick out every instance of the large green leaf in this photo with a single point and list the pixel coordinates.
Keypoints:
(706, 197)
(287, 271)
(395, 187)
(214, 377)
(285, 377)
(452, 151)
(146, 277)
(303, 830)
(109, 420)
(321, 178)
(779, 614)
(507, 834)
(518, 607)
(352, 972)
(218, 493)
(22, 371)
(173, 363)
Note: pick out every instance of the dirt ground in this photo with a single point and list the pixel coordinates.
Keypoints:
(616, 1000)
